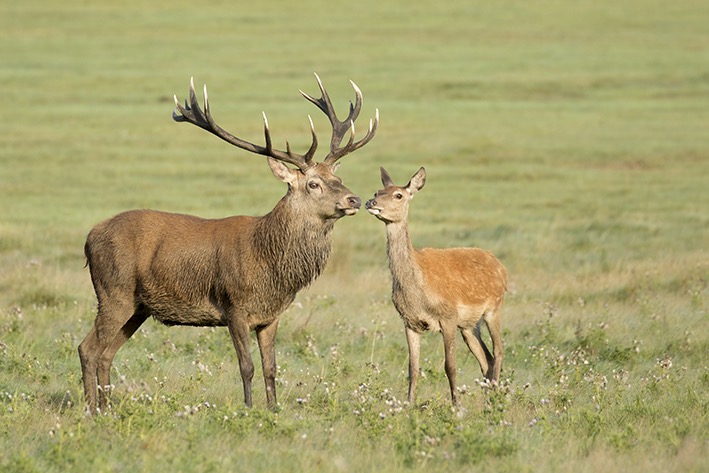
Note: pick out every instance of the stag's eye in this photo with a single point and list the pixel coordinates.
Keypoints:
(314, 185)
(398, 196)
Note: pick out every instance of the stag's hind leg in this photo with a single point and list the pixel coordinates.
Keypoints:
(106, 359)
(89, 365)
(110, 320)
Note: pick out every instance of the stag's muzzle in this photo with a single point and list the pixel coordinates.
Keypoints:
(353, 205)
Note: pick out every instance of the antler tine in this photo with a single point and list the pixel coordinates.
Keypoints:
(355, 109)
(267, 133)
(351, 144)
(340, 128)
(323, 103)
(192, 112)
(314, 146)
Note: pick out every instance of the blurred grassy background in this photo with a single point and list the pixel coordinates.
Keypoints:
(568, 137)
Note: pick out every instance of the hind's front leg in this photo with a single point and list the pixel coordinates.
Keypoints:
(448, 331)
(413, 339)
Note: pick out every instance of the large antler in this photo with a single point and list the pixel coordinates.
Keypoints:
(340, 128)
(192, 113)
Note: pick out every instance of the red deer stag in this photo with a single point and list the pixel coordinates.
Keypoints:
(240, 272)
(440, 289)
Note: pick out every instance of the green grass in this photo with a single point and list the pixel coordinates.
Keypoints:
(570, 138)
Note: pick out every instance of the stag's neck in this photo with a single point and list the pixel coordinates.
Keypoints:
(294, 245)
(405, 271)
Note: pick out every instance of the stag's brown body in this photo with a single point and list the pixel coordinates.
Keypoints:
(240, 272)
(440, 290)
(184, 270)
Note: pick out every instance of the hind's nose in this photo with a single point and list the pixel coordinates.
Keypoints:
(370, 203)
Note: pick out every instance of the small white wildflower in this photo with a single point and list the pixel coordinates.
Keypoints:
(665, 363)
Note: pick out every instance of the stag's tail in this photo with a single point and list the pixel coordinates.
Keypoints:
(89, 249)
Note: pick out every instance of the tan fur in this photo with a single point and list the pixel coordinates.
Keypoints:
(440, 289)
(240, 272)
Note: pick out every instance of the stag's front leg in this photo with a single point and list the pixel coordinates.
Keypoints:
(266, 336)
(239, 331)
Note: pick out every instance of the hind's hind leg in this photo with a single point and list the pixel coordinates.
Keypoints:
(479, 350)
(494, 326)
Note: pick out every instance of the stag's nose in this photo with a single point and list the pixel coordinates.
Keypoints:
(370, 203)
(354, 201)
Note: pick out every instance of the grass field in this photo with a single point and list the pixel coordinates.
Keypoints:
(570, 138)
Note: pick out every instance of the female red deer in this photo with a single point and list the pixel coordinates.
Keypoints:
(240, 272)
(440, 289)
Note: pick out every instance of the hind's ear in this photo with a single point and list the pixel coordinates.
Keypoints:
(417, 181)
(386, 179)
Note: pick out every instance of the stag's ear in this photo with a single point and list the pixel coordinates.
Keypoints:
(281, 171)
(386, 179)
(417, 182)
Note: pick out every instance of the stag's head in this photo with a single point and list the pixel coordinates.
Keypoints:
(317, 189)
(391, 204)
(313, 184)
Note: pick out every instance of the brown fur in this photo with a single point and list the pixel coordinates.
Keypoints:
(440, 289)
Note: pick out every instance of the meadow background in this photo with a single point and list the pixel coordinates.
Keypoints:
(570, 138)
